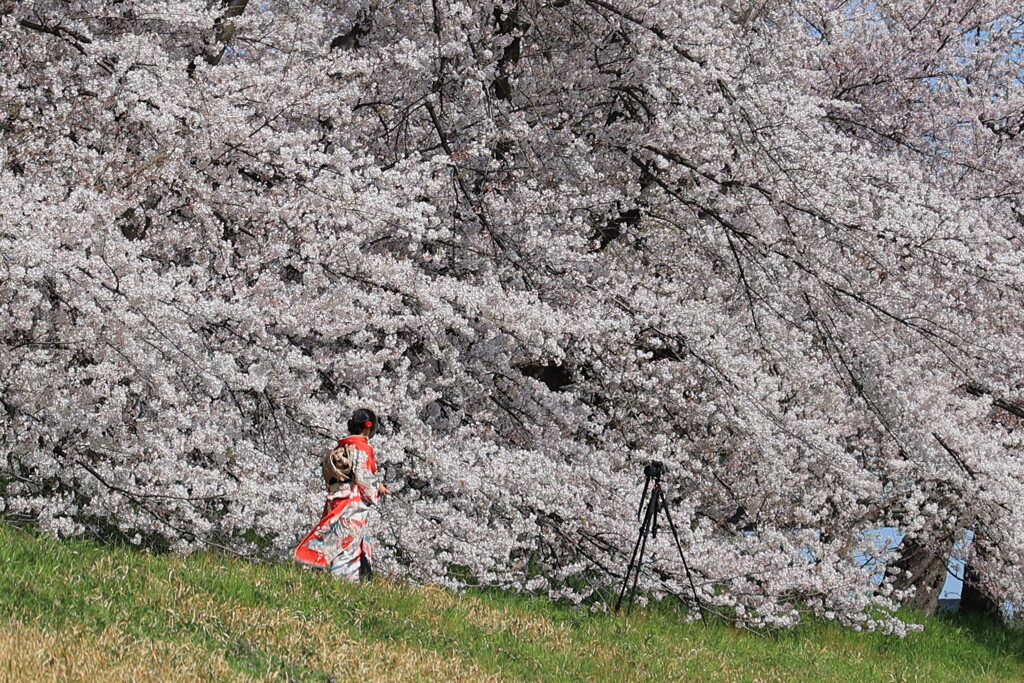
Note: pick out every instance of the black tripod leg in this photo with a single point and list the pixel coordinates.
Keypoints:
(679, 545)
(629, 571)
(649, 523)
(640, 539)
(643, 497)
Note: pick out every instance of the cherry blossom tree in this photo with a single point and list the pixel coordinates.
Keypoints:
(774, 245)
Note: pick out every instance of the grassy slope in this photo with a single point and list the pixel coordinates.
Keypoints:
(78, 611)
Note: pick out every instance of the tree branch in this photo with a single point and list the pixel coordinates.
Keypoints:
(71, 37)
(1013, 407)
(656, 30)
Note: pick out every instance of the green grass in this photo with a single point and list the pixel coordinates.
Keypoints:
(80, 611)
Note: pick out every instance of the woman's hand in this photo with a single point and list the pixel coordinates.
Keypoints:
(382, 489)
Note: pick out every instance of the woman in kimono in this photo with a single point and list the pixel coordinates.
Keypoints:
(339, 542)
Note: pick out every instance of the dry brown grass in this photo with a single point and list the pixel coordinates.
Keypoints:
(46, 654)
(41, 654)
(285, 640)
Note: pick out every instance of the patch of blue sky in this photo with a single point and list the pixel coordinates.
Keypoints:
(887, 539)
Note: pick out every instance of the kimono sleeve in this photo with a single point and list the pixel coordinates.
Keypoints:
(365, 477)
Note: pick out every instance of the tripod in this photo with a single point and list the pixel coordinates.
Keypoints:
(649, 527)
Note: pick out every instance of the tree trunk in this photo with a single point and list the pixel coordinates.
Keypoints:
(975, 599)
(927, 573)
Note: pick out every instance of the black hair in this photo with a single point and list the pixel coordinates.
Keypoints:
(357, 423)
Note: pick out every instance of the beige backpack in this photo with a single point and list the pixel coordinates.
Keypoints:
(338, 464)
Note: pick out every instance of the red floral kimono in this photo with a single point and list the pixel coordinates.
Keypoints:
(339, 542)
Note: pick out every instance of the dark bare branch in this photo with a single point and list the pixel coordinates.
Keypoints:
(73, 38)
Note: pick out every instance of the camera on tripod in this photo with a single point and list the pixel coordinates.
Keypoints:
(654, 469)
(655, 504)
